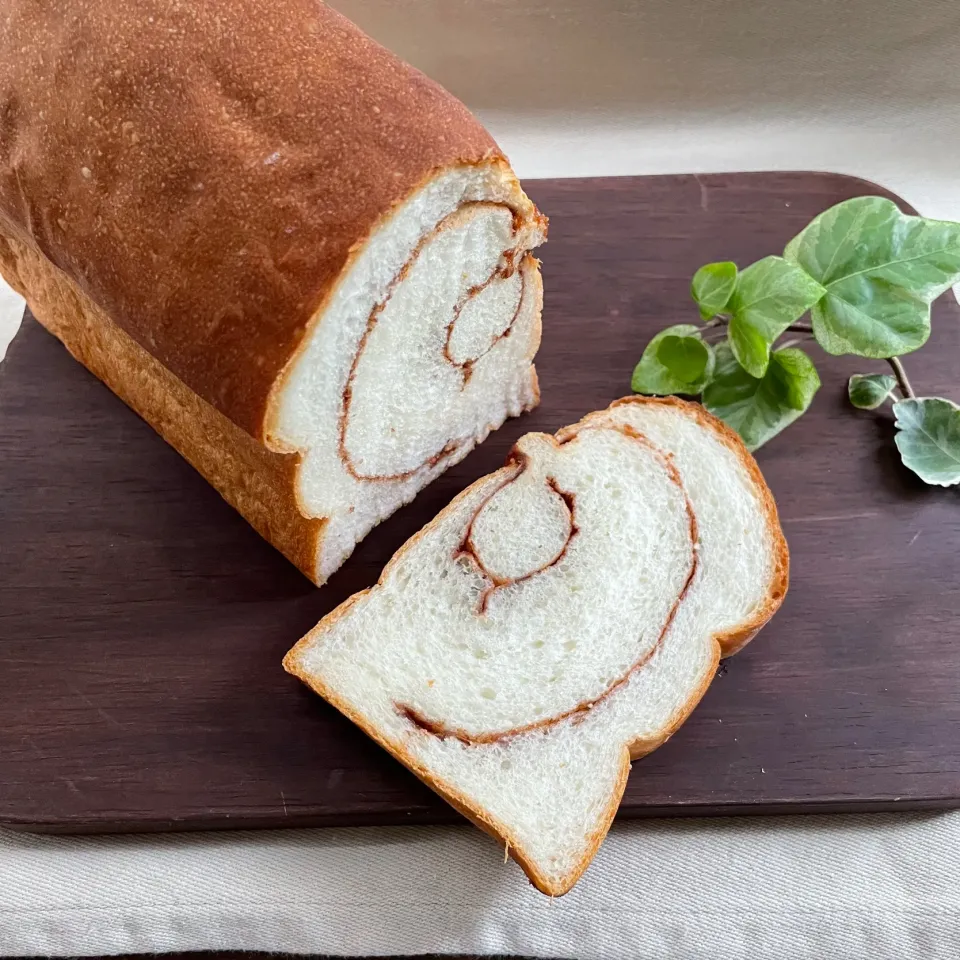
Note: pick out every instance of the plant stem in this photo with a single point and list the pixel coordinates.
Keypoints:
(715, 334)
(723, 320)
(794, 341)
(905, 389)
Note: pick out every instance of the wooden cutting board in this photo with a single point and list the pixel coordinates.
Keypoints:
(142, 622)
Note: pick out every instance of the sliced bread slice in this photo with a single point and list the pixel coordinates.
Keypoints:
(560, 617)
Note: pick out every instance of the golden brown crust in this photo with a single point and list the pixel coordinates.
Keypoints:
(205, 177)
(722, 645)
(259, 484)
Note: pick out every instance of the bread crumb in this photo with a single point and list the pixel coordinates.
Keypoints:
(86, 173)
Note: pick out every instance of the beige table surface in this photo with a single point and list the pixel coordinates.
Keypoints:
(574, 87)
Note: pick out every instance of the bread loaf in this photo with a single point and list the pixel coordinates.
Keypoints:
(558, 618)
(302, 262)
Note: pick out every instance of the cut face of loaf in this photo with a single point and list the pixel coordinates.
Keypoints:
(425, 346)
(306, 265)
(558, 618)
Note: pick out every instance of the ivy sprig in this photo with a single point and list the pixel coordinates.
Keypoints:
(866, 274)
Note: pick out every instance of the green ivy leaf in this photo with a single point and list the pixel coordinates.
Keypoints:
(928, 438)
(651, 375)
(881, 269)
(770, 295)
(868, 390)
(759, 408)
(686, 358)
(792, 378)
(712, 287)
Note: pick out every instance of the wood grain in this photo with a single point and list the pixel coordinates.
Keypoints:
(142, 622)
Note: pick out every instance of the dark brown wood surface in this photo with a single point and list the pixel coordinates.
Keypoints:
(142, 622)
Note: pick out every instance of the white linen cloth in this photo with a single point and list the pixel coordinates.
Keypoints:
(786, 888)
(573, 88)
